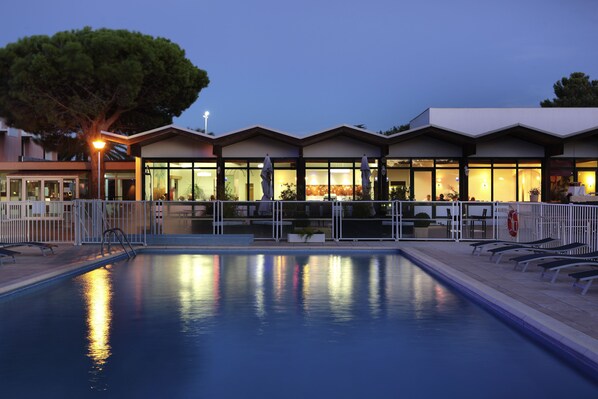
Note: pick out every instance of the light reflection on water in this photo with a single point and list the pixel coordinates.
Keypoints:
(97, 292)
(315, 325)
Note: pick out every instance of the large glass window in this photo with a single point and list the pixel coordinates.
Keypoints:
(338, 180)
(503, 180)
(15, 190)
(33, 190)
(285, 183)
(180, 181)
(51, 190)
(588, 180)
(447, 183)
(399, 183)
(204, 186)
(316, 184)
(505, 185)
(480, 180)
(529, 179)
(423, 179)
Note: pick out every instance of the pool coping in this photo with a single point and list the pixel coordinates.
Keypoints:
(577, 347)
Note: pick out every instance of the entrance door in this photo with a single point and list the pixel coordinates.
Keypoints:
(422, 185)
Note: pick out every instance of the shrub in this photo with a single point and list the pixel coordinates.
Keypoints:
(422, 220)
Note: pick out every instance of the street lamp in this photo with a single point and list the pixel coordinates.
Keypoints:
(205, 116)
(99, 145)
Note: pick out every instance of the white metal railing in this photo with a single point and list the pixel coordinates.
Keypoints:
(84, 221)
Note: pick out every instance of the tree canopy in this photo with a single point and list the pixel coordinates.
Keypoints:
(395, 129)
(85, 81)
(575, 91)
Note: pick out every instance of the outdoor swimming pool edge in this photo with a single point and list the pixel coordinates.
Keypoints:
(66, 271)
(577, 347)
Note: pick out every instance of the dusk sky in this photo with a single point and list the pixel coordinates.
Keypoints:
(306, 66)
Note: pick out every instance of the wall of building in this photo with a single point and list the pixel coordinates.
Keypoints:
(424, 147)
(580, 149)
(508, 147)
(178, 147)
(259, 147)
(340, 147)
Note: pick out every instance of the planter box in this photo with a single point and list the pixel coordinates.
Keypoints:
(420, 232)
(291, 237)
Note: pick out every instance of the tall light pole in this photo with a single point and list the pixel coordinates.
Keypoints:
(99, 145)
(205, 116)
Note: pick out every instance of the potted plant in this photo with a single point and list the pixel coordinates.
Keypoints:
(420, 225)
(306, 234)
(534, 194)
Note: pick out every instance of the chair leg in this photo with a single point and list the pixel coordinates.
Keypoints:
(587, 286)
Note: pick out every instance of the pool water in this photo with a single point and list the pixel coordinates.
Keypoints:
(267, 326)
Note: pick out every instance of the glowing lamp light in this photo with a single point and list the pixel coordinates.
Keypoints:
(99, 145)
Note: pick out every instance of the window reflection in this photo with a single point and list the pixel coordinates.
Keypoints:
(340, 287)
(199, 287)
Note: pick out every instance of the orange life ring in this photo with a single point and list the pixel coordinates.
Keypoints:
(513, 223)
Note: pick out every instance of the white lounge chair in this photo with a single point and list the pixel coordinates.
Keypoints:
(587, 276)
(556, 266)
(521, 248)
(481, 245)
(525, 260)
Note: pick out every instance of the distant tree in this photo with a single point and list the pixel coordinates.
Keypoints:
(395, 129)
(85, 81)
(72, 148)
(201, 130)
(575, 91)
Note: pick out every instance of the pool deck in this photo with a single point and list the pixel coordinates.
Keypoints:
(557, 310)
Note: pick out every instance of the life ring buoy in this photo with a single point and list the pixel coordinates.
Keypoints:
(513, 223)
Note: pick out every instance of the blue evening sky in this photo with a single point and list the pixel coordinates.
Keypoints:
(309, 65)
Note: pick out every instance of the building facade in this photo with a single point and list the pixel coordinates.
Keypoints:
(469, 153)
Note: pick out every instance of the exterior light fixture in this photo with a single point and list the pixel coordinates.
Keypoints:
(99, 145)
(205, 117)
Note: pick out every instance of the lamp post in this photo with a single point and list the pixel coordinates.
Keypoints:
(205, 116)
(99, 145)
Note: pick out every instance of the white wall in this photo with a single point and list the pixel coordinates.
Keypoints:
(259, 147)
(581, 149)
(339, 147)
(476, 121)
(177, 147)
(424, 147)
(507, 147)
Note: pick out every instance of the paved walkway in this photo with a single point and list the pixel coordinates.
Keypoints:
(553, 302)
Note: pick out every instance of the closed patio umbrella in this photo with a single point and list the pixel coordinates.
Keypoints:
(366, 173)
(266, 175)
(365, 177)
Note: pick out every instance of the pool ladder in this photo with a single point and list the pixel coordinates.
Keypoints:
(120, 236)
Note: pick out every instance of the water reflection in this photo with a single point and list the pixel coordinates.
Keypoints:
(199, 288)
(374, 286)
(340, 287)
(98, 294)
(260, 308)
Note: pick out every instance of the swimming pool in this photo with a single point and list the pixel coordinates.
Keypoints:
(266, 325)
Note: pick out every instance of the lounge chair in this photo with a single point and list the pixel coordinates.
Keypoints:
(556, 266)
(7, 253)
(588, 276)
(525, 260)
(43, 247)
(483, 244)
(522, 248)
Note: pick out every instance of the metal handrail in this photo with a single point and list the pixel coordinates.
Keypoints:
(119, 235)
